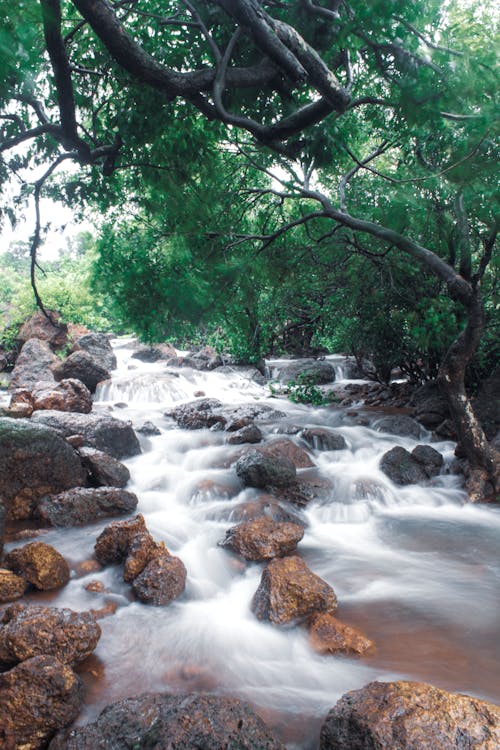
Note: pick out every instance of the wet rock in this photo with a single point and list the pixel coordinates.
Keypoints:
(148, 428)
(402, 468)
(430, 459)
(316, 372)
(142, 549)
(21, 404)
(431, 407)
(266, 506)
(37, 697)
(327, 635)
(398, 424)
(288, 450)
(183, 722)
(247, 434)
(104, 470)
(107, 434)
(83, 505)
(289, 591)
(12, 586)
(322, 439)
(39, 327)
(162, 580)
(410, 716)
(205, 359)
(33, 365)
(258, 470)
(28, 631)
(113, 543)
(34, 460)
(155, 353)
(67, 395)
(82, 366)
(198, 414)
(263, 539)
(99, 348)
(40, 564)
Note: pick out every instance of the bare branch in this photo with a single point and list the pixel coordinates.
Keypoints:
(360, 165)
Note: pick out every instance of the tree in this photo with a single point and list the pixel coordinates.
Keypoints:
(342, 96)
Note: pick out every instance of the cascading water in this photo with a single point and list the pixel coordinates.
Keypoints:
(414, 567)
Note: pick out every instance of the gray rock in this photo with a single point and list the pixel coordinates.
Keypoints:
(161, 581)
(107, 434)
(398, 424)
(148, 428)
(317, 372)
(323, 439)
(99, 347)
(82, 366)
(248, 434)
(430, 459)
(258, 470)
(33, 365)
(431, 407)
(402, 468)
(104, 470)
(83, 505)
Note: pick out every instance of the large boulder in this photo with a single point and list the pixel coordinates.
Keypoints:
(283, 448)
(323, 439)
(204, 359)
(53, 331)
(37, 697)
(155, 353)
(99, 347)
(327, 635)
(28, 631)
(431, 407)
(82, 505)
(40, 564)
(82, 366)
(317, 372)
(161, 581)
(398, 424)
(256, 469)
(104, 470)
(33, 365)
(410, 716)
(430, 459)
(211, 413)
(263, 539)
(107, 434)
(34, 460)
(183, 722)
(289, 592)
(402, 468)
(67, 395)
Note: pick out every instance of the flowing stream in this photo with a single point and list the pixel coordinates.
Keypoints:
(415, 568)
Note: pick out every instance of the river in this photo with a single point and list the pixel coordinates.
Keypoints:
(416, 568)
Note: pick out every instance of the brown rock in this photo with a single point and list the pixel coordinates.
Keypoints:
(37, 698)
(142, 550)
(183, 722)
(263, 539)
(323, 439)
(39, 327)
(284, 448)
(40, 564)
(28, 631)
(21, 403)
(95, 587)
(67, 395)
(265, 506)
(114, 541)
(82, 366)
(410, 716)
(11, 586)
(83, 505)
(289, 591)
(162, 580)
(327, 635)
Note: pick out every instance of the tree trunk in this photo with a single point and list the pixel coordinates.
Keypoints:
(483, 482)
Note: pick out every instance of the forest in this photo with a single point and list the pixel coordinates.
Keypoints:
(263, 179)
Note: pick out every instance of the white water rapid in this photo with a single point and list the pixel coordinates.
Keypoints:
(416, 568)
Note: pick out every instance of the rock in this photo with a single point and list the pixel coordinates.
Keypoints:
(40, 564)
(21, 404)
(209, 412)
(258, 470)
(205, 359)
(107, 434)
(430, 459)
(2, 526)
(410, 716)
(289, 591)
(67, 395)
(11, 586)
(288, 450)
(34, 461)
(83, 505)
(155, 353)
(198, 414)
(267, 506)
(312, 371)
(28, 631)
(99, 348)
(148, 428)
(431, 407)
(33, 365)
(104, 470)
(263, 539)
(39, 327)
(142, 549)
(402, 468)
(327, 635)
(183, 722)
(113, 543)
(322, 439)
(398, 424)
(37, 697)
(248, 434)
(162, 580)
(82, 366)
(487, 404)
